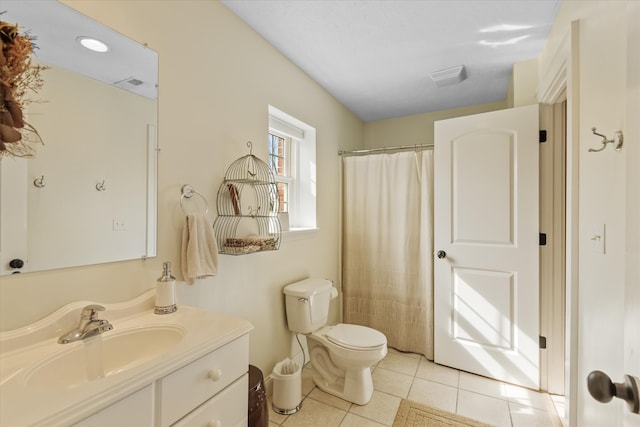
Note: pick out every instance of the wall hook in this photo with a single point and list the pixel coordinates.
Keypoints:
(100, 186)
(39, 182)
(618, 140)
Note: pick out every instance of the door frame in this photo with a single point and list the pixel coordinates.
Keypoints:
(559, 85)
(552, 254)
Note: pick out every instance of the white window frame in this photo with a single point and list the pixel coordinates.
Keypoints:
(302, 189)
(290, 166)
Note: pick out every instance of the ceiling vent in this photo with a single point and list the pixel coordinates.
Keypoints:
(129, 81)
(449, 76)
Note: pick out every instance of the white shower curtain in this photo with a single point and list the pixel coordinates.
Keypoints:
(388, 247)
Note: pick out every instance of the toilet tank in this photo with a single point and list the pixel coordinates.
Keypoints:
(307, 304)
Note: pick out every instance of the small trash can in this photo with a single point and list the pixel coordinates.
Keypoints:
(287, 387)
(258, 408)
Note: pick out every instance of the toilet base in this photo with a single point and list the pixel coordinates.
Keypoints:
(356, 387)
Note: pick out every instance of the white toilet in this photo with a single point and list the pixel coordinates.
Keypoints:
(341, 355)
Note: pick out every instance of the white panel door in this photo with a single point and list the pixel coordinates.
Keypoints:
(486, 240)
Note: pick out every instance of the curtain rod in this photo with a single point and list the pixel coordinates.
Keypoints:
(373, 150)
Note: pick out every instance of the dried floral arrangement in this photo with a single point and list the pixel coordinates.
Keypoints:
(18, 76)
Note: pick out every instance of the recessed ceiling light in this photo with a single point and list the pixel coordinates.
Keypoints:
(505, 27)
(504, 42)
(93, 44)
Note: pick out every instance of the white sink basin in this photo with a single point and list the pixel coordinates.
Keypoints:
(44, 383)
(103, 355)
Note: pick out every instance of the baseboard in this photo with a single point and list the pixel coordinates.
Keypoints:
(268, 385)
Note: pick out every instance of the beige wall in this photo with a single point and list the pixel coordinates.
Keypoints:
(601, 203)
(217, 78)
(591, 37)
(418, 128)
(525, 83)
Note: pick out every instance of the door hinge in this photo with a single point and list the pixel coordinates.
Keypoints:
(542, 341)
(542, 136)
(543, 239)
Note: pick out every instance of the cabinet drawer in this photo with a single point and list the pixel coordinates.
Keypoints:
(188, 387)
(229, 408)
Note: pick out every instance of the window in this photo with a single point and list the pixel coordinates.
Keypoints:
(292, 156)
(280, 163)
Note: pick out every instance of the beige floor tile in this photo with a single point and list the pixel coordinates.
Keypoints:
(559, 406)
(398, 362)
(352, 420)
(434, 394)
(527, 397)
(329, 399)
(510, 392)
(473, 396)
(405, 353)
(484, 408)
(392, 382)
(307, 379)
(315, 414)
(526, 416)
(273, 415)
(482, 385)
(381, 408)
(441, 374)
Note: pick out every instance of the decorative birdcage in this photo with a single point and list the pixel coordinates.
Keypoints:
(247, 204)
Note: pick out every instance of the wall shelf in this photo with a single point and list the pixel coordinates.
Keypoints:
(247, 205)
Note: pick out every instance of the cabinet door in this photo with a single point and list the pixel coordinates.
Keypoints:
(134, 410)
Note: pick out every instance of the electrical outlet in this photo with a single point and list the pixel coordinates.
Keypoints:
(119, 224)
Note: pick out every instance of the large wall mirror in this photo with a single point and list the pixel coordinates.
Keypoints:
(88, 195)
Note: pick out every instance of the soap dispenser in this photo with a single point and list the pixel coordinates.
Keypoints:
(166, 291)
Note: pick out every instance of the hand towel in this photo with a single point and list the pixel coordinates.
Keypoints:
(199, 248)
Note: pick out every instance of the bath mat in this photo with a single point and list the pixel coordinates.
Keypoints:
(412, 414)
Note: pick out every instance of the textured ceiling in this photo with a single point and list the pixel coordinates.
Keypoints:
(375, 56)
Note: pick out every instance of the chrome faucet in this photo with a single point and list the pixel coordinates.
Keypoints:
(89, 325)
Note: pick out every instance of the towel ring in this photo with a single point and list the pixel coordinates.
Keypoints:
(187, 192)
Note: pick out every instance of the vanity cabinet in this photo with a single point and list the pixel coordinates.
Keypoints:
(227, 408)
(217, 375)
(209, 392)
(187, 368)
(134, 410)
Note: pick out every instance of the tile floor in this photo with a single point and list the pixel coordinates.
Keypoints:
(411, 376)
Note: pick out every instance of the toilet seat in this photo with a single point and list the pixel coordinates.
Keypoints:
(355, 337)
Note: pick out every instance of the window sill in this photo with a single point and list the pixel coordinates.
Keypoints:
(299, 234)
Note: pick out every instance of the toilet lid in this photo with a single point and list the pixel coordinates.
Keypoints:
(356, 337)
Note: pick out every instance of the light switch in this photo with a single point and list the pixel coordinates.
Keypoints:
(119, 224)
(597, 238)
